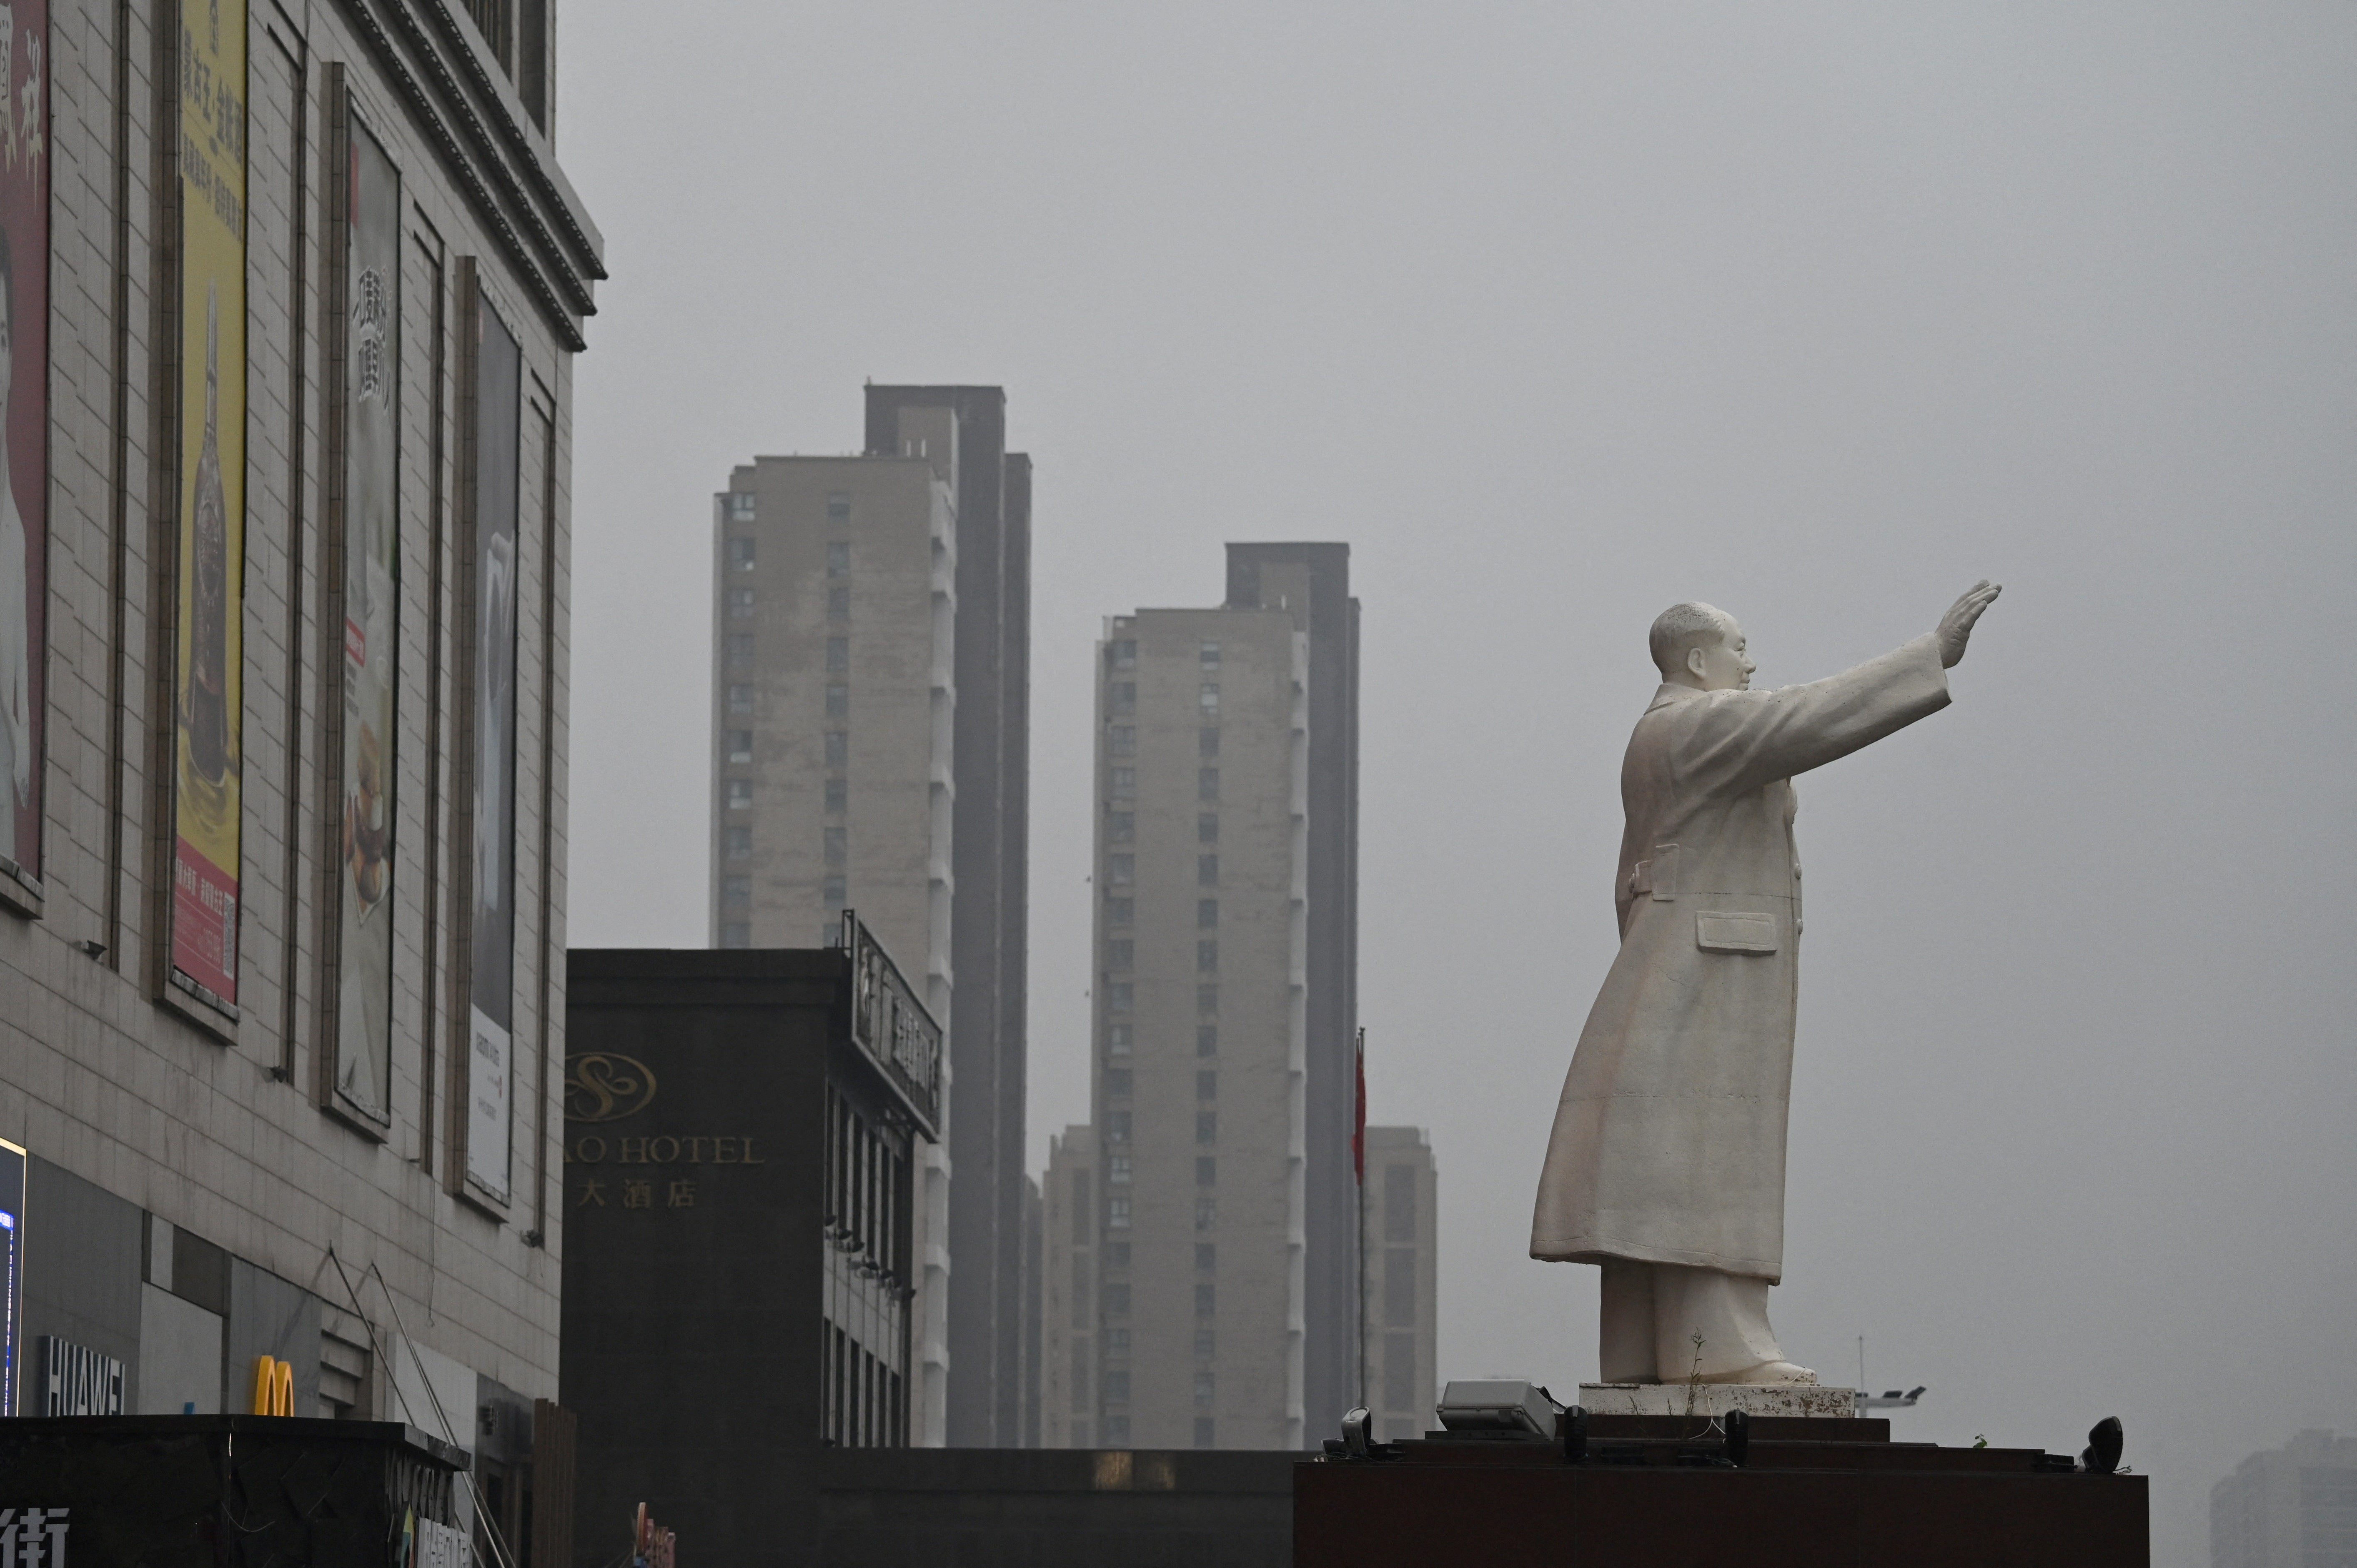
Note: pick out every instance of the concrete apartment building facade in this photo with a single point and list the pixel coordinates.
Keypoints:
(1401, 1289)
(2294, 1507)
(1186, 1233)
(293, 292)
(869, 697)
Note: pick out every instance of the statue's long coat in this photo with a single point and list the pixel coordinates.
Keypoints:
(1668, 1142)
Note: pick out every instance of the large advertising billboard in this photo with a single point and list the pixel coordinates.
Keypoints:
(24, 423)
(209, 701)
(371, 396)
(498, 389)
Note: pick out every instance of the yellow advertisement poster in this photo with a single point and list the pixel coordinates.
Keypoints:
(209, 699)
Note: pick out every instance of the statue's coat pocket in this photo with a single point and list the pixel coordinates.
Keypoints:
(1721, 930)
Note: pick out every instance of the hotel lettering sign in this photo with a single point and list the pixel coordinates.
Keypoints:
(892, 1027)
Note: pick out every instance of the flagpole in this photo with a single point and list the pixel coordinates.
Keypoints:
(1359, 1197)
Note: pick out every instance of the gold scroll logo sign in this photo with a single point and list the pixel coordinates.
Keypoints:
(605, 1086)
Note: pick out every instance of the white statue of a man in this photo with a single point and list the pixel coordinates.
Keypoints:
(1666, 1164)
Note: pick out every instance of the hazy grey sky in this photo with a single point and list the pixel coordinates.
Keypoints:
(1559, 314)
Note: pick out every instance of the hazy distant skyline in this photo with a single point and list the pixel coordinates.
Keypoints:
(1558, 314)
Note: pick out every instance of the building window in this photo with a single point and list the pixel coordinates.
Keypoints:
(1206, 1341)
(1118, 1219)
(741, 699)
(838, 702)
(1207, 1126)
(740, 553)
(838, 604)
(1117, 1168)
(1203, 1430)
(835, 894)
(741, 601)
(838, 846)
(1117, 1127)
(1211, 699)
(1211, 656)
(1207, 912)
(1125, 696)
(1125, 740)
(1207, 960)
(1206, 1255)
(1119, 995)
(1207, 744)
(1207, 1039)
(1207, 1213)
(838, 558)
(1202, 1399)
(736, 891)
(1124, 654)
(1116, 1341)
(740, 745)
(740, 648)
(1116, 1386)
(1207, 783)
(838, 507)
(1117, 1081)
(1206, 1170)
(1207, 827)
(1122, 953)
(838, 748)
(1206, 1300)
(1117, 1039)
(1121, 826)
(741, 506)
(1124, 780)
(838, 796)
(1207, 871)
(736, 934)
(1207, 1085)
(1124, 868)
(1116, 1432)
(740, 794)
(1121, 911)
(739, 842)
(1117, 1256)
(838, 656)
(1207, 999)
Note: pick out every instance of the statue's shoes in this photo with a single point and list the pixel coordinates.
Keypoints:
(1767, 1372)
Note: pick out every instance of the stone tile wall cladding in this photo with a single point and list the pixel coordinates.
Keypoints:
(222, 1125)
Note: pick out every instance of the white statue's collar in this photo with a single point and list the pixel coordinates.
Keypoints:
(1669, 694)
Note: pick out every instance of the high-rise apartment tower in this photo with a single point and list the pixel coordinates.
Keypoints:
(2293, 1506)
(870, 691)
(1202, 1247)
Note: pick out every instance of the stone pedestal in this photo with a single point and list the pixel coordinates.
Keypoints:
(1654, 1490)
(1717, 1399)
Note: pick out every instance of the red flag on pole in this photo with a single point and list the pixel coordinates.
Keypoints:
(1359, 1125)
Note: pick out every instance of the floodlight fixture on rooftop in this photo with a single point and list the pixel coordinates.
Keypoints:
(1501, 1407)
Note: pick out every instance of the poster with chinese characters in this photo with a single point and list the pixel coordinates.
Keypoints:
(499, 388)
(371, 621)
(24, 423)
(208, 696)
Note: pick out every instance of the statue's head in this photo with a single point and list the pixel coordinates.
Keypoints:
(1697, 646)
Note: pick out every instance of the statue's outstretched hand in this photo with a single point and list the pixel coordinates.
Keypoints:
(1956, 626)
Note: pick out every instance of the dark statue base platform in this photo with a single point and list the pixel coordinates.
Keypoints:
(1660, 1490)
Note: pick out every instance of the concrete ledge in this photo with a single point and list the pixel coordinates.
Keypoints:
(1716, 1399)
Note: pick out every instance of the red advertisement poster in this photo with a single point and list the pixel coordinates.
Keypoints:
(24, 422)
